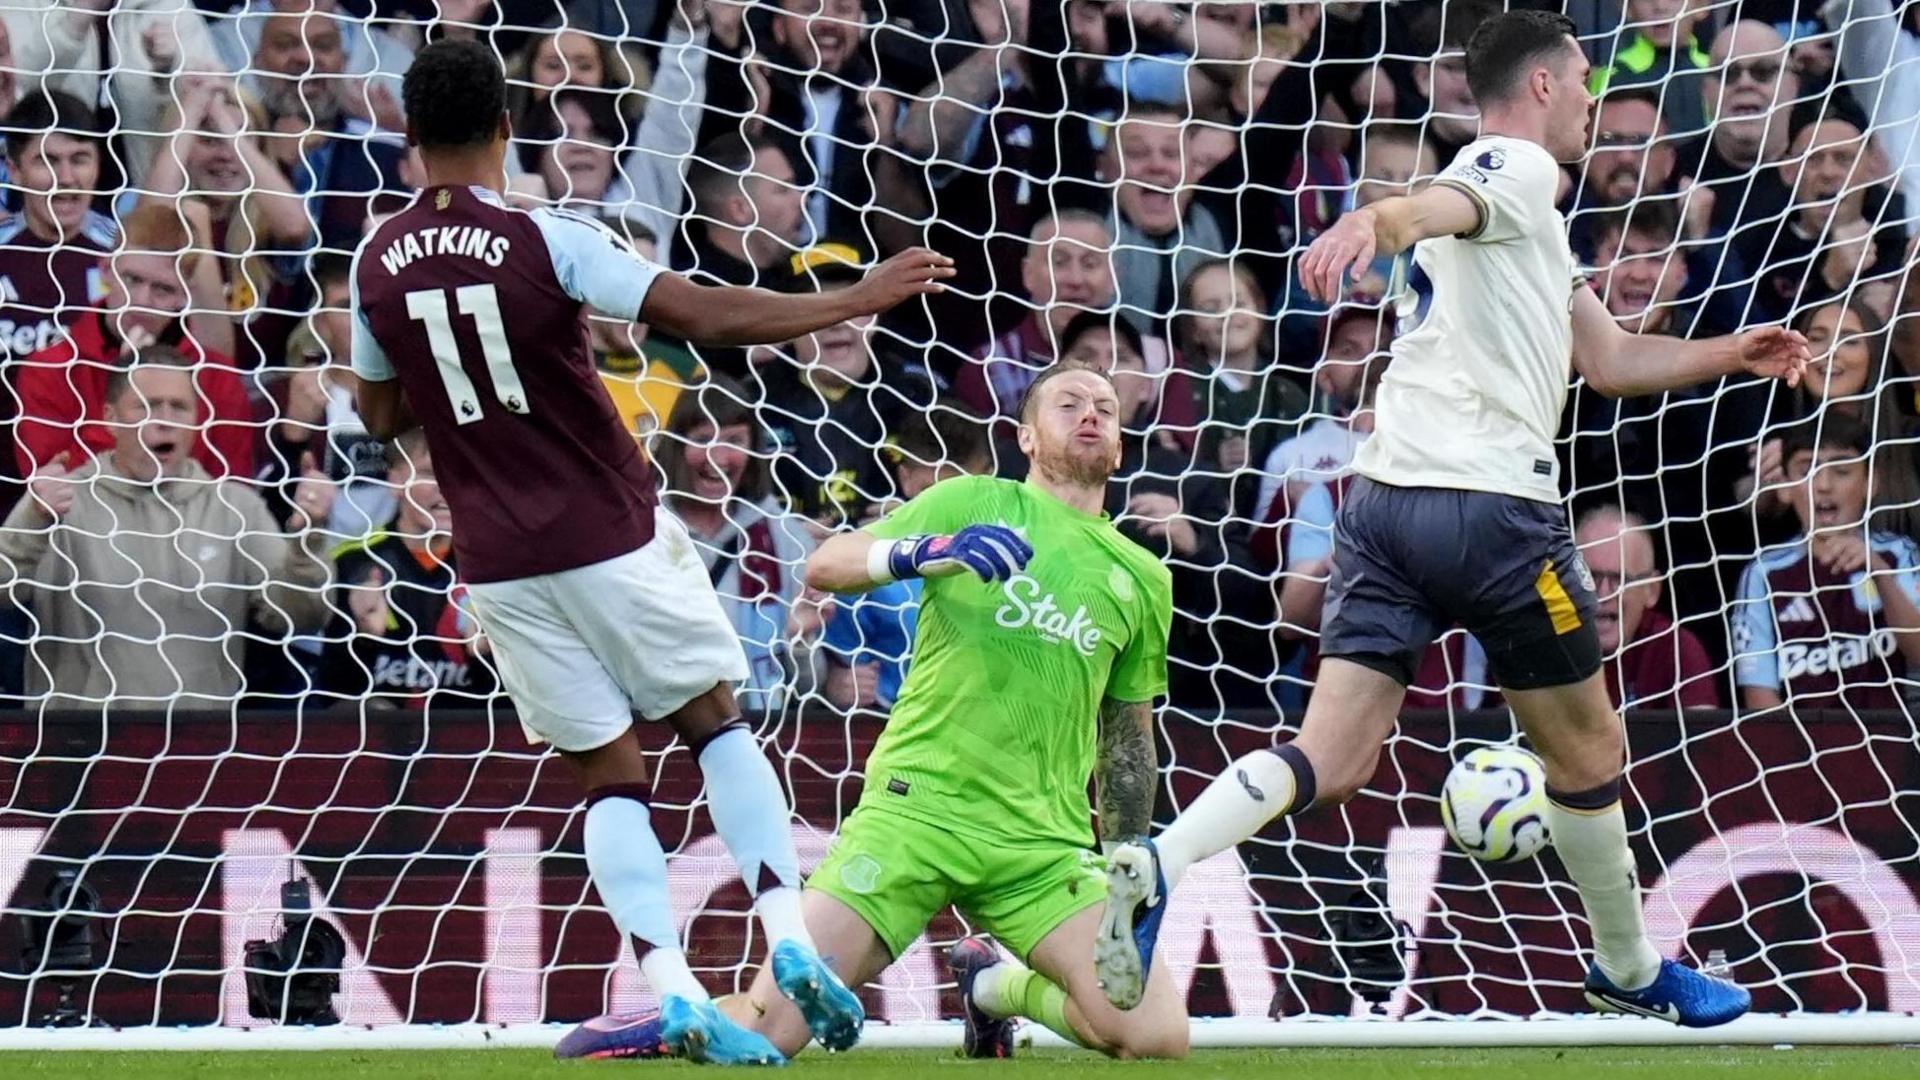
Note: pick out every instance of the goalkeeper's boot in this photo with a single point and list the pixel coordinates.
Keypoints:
(832, 1011)
(1678, 995)
(986, 1036)
(1136, 900)
(634, 1035)
(699, 1031)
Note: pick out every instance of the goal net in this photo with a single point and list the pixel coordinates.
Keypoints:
(252, 726)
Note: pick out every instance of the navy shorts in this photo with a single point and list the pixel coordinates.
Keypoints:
(1409, 563)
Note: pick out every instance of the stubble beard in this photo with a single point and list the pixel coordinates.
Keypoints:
(1066, 463)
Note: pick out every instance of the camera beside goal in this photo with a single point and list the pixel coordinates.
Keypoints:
(1494, 804)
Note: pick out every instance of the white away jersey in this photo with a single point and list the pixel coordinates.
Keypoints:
(1484, 348)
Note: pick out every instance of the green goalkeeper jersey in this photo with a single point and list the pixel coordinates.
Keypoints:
(993, 732)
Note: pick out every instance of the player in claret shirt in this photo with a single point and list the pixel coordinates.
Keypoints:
(1831, 620)
(467, 320)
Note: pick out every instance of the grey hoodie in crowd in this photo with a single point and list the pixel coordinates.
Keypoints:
(141, 592)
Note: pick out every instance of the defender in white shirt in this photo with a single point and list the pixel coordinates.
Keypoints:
(1457, 517)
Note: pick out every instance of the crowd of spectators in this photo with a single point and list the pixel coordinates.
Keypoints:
(198, 515)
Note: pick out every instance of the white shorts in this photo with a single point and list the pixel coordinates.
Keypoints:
(581, 651)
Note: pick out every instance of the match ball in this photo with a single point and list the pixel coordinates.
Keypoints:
(1494, 804)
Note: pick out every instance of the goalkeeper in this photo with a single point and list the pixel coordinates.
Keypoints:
(1042, 643)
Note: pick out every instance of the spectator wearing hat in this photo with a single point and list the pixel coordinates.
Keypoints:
(831, 400)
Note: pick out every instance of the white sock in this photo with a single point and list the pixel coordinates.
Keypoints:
(667, 972)
(1241, 800)
(630, 871)
(1593, 847)
(750, 813)
(779, 911)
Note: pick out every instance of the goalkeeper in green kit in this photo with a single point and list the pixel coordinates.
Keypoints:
(1042, 644)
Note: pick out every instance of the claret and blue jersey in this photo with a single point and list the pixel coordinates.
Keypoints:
(476, 308)
(1818, 637)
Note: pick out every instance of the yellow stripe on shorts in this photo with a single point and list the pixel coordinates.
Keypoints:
(1566, 617)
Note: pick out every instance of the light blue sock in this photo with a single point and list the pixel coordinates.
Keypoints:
(630, 871)
(750, 813)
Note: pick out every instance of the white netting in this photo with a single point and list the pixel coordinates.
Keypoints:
(222, 684)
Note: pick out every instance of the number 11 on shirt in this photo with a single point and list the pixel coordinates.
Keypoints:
(482, 304)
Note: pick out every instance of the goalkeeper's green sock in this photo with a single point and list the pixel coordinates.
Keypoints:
(1009, 989)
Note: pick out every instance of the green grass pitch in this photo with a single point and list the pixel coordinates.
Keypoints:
(1690, 1063)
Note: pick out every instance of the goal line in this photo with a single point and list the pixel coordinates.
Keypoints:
(1859, 1029)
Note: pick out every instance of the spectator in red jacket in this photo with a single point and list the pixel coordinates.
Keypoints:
(1651, 662)
(63, 388)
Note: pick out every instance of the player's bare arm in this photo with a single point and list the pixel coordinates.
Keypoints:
(839, 564)
(383, 408)
(1126, 770)
(730, 315)
(1388, 227)
(857, 561)
(1621, 364)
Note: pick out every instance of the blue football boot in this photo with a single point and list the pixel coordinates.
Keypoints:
(1678, 995)
(1136, 900)
(699, 1031)
(831, 1010)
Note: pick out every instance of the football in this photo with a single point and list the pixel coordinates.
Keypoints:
(1494, 804)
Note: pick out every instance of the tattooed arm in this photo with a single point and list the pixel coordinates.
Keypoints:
(1127, 771)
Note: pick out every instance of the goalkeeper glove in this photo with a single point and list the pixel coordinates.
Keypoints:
(994, 552)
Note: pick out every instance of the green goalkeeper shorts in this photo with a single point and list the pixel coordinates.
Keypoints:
(898, 872)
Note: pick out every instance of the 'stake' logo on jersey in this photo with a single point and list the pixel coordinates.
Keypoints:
(1027, 606)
